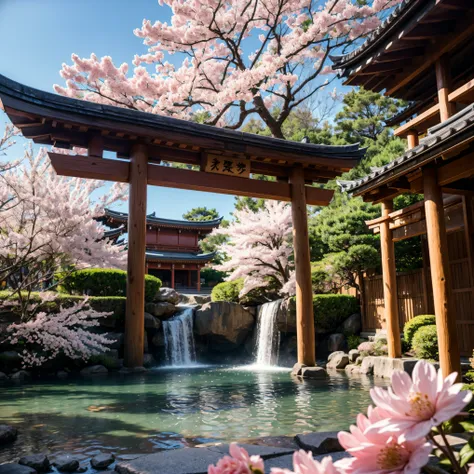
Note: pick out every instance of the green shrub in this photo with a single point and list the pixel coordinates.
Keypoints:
(412, 326)
(212, 276)
(107, 361)
(425, 342)
(227, 291)
(330, 311)
(104, 282)
(353, 341)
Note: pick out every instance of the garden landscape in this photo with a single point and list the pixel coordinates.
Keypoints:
(239, 239)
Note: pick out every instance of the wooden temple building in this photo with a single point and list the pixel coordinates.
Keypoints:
(172, 247)
(423, 54)
(226, 161)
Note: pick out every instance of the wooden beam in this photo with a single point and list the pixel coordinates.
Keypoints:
(445, 309)
(115, 170)
(465, 93)
(434, 51)
(135, 306)
(417, 123)
(456, 170)
(389, 276)
(389, 56)
(304, 292)
(424, 31)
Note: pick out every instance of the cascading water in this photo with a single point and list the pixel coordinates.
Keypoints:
(268, 336)
(179, 339)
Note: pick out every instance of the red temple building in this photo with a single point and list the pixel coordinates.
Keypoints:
(172, 247)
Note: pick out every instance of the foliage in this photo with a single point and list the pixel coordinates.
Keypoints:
(66, 332)
(224, 79)
(397, 436)
(213, 242)
(104, 282)
(201, 214)
(412, 326)
(228, 291)
(212, 276)
(48, 223)
(425, 342)
(259, 249)
(353, 341)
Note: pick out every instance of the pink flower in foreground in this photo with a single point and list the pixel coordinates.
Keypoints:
(239, 462)
(303, 463)
(380, 453)
(412, 407)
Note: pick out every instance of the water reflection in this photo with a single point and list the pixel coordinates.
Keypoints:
(169, 409)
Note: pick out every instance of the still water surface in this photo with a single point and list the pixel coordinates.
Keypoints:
(173, 408)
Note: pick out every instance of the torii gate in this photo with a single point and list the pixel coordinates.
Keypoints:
(226, 161)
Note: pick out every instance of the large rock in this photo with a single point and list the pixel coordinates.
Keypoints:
(297, 369)
(8, 434)
(167, 295)
(336, 342)
(158, 339)
(286, 316)
(13, 468)
(40, 462)
(10, 360)
(319, 443)
(367, 366)
(66, 463)
(102, 461)
(20, 376)
(225, 325)
(353, 355)
(163, 310)
(338, 362)
(315, 373)
(148, 361)
(352, 325)
(335, 354)
(151, 322)
(3, 377)
(94, 370)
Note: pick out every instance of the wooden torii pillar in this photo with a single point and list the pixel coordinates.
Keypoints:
(445, 311)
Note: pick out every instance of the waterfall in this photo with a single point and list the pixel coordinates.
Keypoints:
(268, 336)
(179, 339)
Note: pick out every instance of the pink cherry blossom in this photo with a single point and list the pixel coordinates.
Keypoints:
(412, 407)
(304, 463)
(239, 462)
(259, 248)
(380, 453)
(223, 73)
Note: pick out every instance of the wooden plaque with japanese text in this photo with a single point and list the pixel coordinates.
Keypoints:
(238, 167)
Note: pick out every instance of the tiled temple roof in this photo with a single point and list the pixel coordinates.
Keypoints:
(164, 256)
(439, 138)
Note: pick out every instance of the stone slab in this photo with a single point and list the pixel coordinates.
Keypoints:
(384, 367)
(13, 468)
(319, 443)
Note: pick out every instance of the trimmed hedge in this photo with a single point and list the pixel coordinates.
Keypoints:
(227, 291)
(412, 326)
(330, 311)
(212, 276)
(104, 282)
(425, 342)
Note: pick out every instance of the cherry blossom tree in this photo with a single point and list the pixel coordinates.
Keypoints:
(47, 223)
(262, 57)
(259, 248)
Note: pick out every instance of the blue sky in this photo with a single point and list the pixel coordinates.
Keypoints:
(37, 36)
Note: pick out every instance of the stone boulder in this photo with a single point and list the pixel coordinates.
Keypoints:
(3, 377)
(367, 366)
(10, 360)
(94, 370)
(353, 355)
(353, 324)
(336, 342)
(194, 300)
(8, 434)
(315, 373)
(14, 468)
(286, 316)
(158, 339)
(102, 461)
(319, 443)
(20, 376)
(167, 295)
(338, 362)
(335, 354)
(151, 322)
(39, 462)
(297, 369)
(224, 325)
(148, 361)
(66, 463)
(163, 310)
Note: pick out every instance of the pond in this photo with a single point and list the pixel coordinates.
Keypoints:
(170, 408)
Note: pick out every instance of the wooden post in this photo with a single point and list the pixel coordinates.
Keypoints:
(412, 138)
(304, 291)
(389, 276)
(199, 278)
(449, 357)
(135, 307)
(172, 276)
(443, 83)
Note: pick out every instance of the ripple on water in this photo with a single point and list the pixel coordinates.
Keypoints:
(168, 409)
